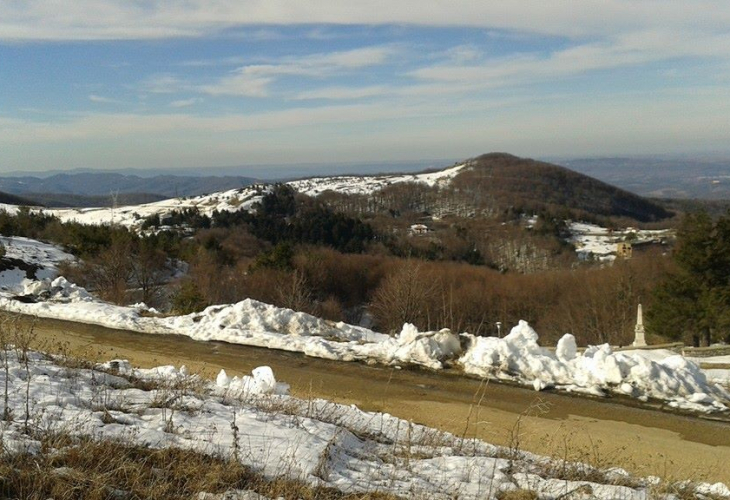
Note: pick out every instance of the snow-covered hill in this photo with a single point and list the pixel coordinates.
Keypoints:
(132, 216)
(370, 184)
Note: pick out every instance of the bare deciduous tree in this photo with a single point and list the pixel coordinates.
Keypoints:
(403, 297)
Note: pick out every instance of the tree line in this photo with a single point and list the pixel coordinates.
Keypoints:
(300, 253)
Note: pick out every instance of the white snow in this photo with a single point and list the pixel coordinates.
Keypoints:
(132, 216)
(44, 256)
(370, 184)
(595, 242)
(318, 442)
(517, 357)
(598, 370)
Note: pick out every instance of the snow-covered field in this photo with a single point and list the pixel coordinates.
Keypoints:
(595, 242)
(132, 216)
(370, 184)
(250, 419)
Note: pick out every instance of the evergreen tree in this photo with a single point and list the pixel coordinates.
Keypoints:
(693, 303)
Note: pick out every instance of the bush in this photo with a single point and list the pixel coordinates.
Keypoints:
(188, 299)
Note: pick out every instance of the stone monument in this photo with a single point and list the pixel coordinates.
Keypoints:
(639, 333)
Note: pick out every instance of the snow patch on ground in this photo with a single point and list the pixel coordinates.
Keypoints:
(595, 242)
(318, 442)
(370, 184)
(44, 258)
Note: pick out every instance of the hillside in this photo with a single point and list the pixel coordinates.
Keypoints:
(11, 199)
(529, 185)
(486, 186)
(63, 200)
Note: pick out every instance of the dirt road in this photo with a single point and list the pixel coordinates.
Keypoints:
(646, 442)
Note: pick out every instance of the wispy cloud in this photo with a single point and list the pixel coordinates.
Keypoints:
(185, 103)
(121, 19)
(255, 80)
(681, 117)
(103, 100)
(165, 83)
(344, 93)
(628, 50)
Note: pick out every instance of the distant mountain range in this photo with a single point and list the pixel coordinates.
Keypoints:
(490, 184)
(513, 180)
(707, 179)
(106, 189)
(656, 177)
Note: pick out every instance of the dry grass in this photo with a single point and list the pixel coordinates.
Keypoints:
(517, 495)
(70, 468)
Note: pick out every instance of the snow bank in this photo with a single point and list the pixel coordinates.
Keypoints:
(58, 290)
(598, 370)
(248, 322)
(516, 357)
(253, 315)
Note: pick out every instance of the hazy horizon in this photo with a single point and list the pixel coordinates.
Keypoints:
(110, 84)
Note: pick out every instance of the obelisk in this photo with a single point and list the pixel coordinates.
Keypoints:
(639, 333)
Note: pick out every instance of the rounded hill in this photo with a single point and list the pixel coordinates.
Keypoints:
(530, 185)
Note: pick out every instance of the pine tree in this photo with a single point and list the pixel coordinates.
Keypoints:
(694, 301)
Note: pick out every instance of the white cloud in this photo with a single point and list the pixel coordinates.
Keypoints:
(103, 100)
(254, 80)
(121, 19)
(184, 103)
(626, 50)
(165, 83)
(628, 123)
(344, 93)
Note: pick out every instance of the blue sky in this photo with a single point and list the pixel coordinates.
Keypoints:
(147, 84)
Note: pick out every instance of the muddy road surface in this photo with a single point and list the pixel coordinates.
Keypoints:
(602, 432)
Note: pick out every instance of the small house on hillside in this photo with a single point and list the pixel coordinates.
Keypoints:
(624, 250)
(418, 229)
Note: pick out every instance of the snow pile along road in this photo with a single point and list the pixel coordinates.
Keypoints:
(320, 443)
(598, 370)
(517, 357)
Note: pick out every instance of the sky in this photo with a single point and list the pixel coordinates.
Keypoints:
(113, 84)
